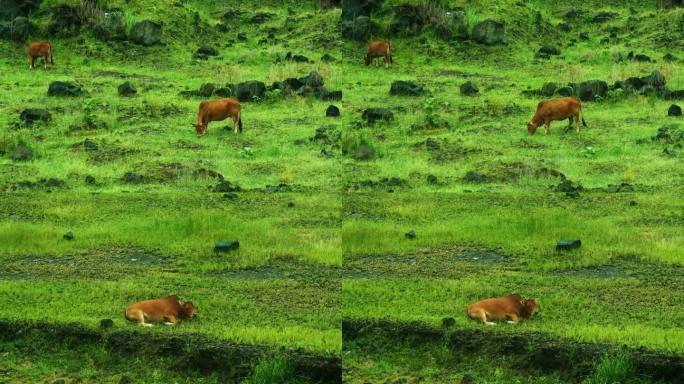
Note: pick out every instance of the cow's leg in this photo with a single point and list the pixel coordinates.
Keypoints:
(138, 316)
(386, 60)
(33, 62)
(170, 320)
(547, 127)
(513, 318)
(577, 122)
(480, 314)
(45, 60)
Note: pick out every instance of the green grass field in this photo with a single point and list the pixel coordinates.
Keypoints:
(321, 232)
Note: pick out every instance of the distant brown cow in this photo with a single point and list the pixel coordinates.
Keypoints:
(512, 308)
(379, 49)
(218, 110)
(558, 109)
(166, 309)
(38, 49)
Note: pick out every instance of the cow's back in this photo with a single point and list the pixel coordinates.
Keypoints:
(38, 48)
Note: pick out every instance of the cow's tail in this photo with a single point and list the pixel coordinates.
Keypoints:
(584, 123)
(52, 61)
(389, 51)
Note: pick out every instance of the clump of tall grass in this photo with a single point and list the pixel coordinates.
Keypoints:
(130, 19)
(354, 143)
(615, 368)
(276, 370)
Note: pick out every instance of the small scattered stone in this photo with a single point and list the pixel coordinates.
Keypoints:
(226, 246)
(290, 204)
(632, 203)
(448, 322)
(372, 115)
(242, 36)
(90, 145)
(207, 50)
(68, 236)
(227, 186)
(90, 180)
(431, 179)
(674, 110)
(327, 58)
(670, 57)
(332, 111)
(127, 89)
(623, 187)
(133, 178)
(566, 245)
(547, 51)
(34, 114)
(406, 88)
(410, 234)
(475, 177)
(22, 153)
(469, 89)
(106, 323)
(61, 88)
(364, 152)
(230, 195)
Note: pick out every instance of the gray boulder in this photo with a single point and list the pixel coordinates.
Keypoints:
(406, 88)
(16, 30)
(112, 27)
(351, 9)
(146, 33)
(61, 88)
(34, 114)
(250, 90)
(590, 90)
(359, 29)
(489, 32)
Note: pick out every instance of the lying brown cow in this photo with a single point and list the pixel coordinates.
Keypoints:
(166, 309)
(558, 109)
(379, 49)
(38, 49)
(218, 110)
(511, 308)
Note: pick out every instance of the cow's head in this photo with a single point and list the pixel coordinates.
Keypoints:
(199, 129)
(189, 309)
(531, 128)
(529, 307)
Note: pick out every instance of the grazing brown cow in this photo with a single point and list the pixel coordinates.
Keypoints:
(378, 49)
(166, 309)
(558, 109)
(38, 49)
(217, 110)
(512, 308)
